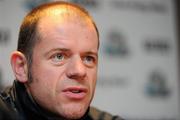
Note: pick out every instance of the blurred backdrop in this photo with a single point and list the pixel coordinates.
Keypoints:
(138, 65)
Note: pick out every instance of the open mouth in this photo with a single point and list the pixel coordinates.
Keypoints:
(75, 89)
(77, 93)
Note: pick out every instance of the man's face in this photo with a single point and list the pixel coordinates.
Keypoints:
(64, 68)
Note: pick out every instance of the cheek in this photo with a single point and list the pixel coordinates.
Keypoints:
(46, 78)
(45, 84)
(93, 79)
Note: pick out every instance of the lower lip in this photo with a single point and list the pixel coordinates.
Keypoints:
(75, 96)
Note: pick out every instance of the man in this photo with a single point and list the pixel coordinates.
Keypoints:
(55, 65)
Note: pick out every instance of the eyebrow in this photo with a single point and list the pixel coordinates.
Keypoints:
(57, 49)
(92, 53)
(68, 50)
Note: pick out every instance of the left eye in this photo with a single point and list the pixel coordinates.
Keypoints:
(58, 57)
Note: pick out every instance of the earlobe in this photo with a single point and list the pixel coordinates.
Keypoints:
(19, 66)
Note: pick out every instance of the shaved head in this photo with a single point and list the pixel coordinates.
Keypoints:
(29, 34)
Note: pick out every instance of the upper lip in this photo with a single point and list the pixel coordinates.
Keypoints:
(75, 88)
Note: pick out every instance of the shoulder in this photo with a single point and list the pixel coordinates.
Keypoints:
(97, 114)
(6, 97)
(6, 113)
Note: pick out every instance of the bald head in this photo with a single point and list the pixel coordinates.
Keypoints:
(29, 32)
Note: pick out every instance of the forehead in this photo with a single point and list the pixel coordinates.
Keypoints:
(50, 22)
(59, 27)
(64, 13)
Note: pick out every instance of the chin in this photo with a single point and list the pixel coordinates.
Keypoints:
(74, 116)
(74, 112)
(71, 115)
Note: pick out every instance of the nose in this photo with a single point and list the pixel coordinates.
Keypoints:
(76, 69)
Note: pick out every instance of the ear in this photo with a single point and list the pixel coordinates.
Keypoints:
(19, 66)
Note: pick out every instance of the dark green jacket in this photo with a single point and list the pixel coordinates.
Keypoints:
(16, 100)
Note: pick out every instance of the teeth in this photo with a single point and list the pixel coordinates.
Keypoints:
(75, 91)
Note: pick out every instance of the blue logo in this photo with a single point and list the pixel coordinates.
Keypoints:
(116, 44)
(86, 3)
(157, 85)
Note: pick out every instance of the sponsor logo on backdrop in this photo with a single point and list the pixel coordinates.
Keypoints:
(156, 6)
(116, 44)
(112, 82)
(87, 3)
(157, 45)
(30, 4)
(157, 85)
(4, 35)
